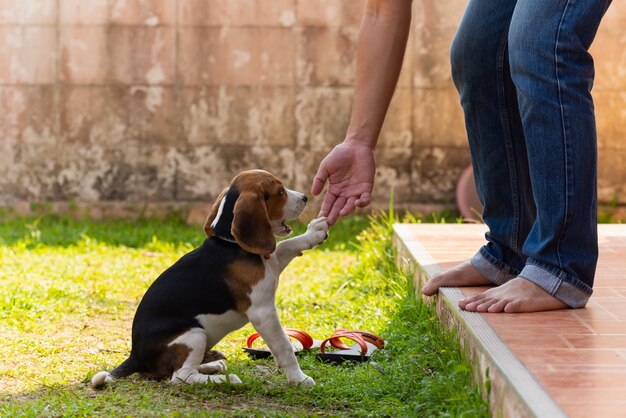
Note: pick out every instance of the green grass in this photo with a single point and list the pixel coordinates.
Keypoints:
(69, 288)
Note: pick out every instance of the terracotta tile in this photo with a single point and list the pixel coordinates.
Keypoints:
(30, 50)
(605, 292)
(607, 327)
(503, 321)
(237, 12)
(597, 341)
(578, 355)
(568, 357)
(593, 312)
(446, 264)
(554, 328)
(537, 368)
(28, 12)
(583, 380)
(616, 307)
(81, 12)
(583, 369)
(143, 12)
(598, 409)
(532, 341)
(453, 258)
(614, 281)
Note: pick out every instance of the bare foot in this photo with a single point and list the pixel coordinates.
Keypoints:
(516, 295)
(462, 275)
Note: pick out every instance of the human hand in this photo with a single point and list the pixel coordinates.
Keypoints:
(349, 169)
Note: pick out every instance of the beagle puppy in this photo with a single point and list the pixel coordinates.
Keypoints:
(228, 281)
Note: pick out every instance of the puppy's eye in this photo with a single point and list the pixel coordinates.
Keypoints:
(281, 191)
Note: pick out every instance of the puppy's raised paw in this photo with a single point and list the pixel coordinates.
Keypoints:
(317, 231)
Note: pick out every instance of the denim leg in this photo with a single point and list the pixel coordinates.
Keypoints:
(553, 74)
(480, 71)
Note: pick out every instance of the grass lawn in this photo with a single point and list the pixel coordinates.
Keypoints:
(69, 289)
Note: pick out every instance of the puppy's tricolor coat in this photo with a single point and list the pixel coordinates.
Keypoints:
(230, 280)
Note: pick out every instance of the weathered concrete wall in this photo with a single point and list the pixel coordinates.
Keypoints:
(162, 101)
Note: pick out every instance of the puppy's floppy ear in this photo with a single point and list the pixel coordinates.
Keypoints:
(208, 228)
(251, 224)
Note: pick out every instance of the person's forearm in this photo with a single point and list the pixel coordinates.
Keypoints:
(380, 52)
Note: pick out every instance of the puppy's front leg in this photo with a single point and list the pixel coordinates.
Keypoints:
(266, 322)
(287, 250)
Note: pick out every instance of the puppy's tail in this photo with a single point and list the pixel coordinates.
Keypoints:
(128, 367)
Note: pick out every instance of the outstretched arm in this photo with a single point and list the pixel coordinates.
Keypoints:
(349, 168)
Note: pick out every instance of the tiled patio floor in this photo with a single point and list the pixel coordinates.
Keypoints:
(577, 357)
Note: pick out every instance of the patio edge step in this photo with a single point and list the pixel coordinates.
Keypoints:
(513, 392)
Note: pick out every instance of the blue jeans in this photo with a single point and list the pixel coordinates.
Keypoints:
(524, 75)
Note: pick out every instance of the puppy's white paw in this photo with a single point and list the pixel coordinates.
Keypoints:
(218, 366)
(308, 381)
(234, 379)
(318, 224)
(301, 380)
(100, 379)
(317, 231)
(220, 378)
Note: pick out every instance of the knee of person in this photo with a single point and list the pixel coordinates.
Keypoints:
(526, 53)
(457, 58)
(467, 59)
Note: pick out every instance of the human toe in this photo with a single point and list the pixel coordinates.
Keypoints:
(498, 306)
(471, 300)
(485, 305)
(430, 287)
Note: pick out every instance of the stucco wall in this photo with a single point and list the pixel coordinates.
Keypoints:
(162, 101)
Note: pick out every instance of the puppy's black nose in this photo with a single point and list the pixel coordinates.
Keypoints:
(305, 198)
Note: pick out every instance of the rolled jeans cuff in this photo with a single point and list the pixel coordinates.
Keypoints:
(491, 269)
(571, 291)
